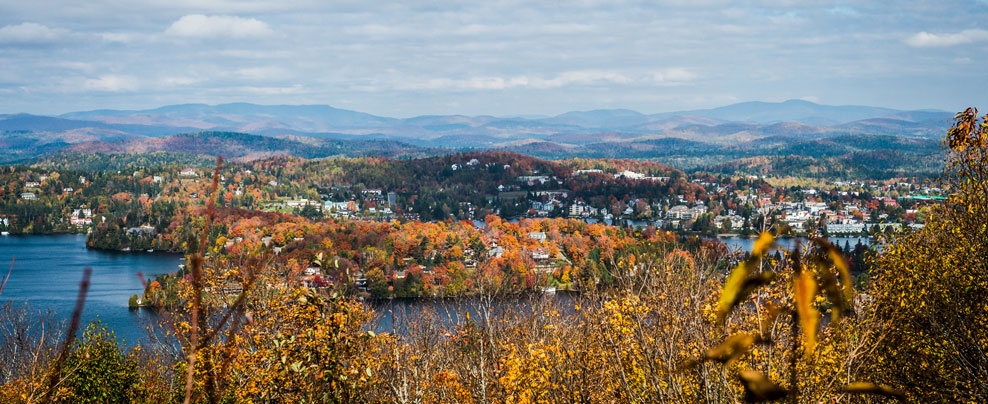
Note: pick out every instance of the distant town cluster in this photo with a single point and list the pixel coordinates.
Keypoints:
(465, 187)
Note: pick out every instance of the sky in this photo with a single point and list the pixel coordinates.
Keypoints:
(408, 58)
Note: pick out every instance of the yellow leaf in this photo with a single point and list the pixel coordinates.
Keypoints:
(758, 387)
(872, 388)
(734, 293)
(738, 284)
(731, 349)
(763, 244)
(809, 318)
(732, 288)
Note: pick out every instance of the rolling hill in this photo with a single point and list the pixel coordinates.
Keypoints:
(687, 138)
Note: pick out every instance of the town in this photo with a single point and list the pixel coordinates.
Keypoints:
(698, 203)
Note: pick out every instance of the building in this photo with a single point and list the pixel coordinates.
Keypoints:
(142, 231)
(299, 203)
(188, 172)
(81, 217)
(540, 254)
(845, 228)
(341, 208)
(495, 251)
(532, 179)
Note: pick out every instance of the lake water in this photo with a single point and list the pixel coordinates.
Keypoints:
(746, 244)
(47, 271)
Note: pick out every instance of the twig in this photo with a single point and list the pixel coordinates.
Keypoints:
(70, 337)
(11, 270)
(197, 264)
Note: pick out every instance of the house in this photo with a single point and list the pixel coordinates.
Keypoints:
(678, 212)
(540, 254)
(532, 179)
(684, 213)
(737, 222)
(81, 217)
(188, 172)
(342, 208)
(553, 194)
(28, 196)
(142, 231)
(299, 203)
(537, 236)
(631, 175)
(496, 251)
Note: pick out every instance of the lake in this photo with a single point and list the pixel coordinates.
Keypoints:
(47, 271)
(746, 244)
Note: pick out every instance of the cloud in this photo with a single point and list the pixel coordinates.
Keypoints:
(673, 76)
(392, 57)
(122, 37)
(293, 89)
(260, 73)
(215, 26)
(173, 81)
(927, 40)
(583, 77)
(111, 83)
(30, 33)
(254, 54)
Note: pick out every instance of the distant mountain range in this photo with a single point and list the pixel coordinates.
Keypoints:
(318, 130)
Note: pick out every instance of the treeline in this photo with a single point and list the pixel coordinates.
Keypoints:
(418, 259)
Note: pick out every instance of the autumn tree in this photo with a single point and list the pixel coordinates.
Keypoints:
(931, 291)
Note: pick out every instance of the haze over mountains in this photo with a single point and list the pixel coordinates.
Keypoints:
(317, 130)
